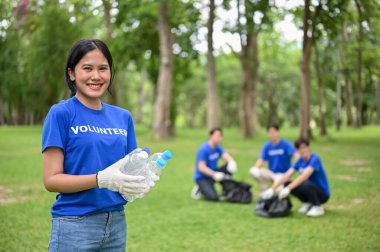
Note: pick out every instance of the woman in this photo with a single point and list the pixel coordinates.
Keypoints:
(311, 187)
(83, 144)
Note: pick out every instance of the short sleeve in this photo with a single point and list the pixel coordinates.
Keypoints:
(264, 152)
(220, 150)
(315, 163)
(55, 129)
(202, 154)
(290, 149)
(131, 138)
(297, 163)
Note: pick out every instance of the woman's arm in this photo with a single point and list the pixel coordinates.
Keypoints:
(54, 178)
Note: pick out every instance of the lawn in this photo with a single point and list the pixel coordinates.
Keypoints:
(167, 219)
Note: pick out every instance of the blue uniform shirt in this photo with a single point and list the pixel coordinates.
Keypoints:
(278, 156)
(208, 155)
(318, 177)
(91, 140)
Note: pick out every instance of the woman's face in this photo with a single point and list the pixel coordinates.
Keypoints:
(92, 75)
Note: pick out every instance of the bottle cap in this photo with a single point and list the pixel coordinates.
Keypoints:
(161, 162)
(146, 149)
(167, 154)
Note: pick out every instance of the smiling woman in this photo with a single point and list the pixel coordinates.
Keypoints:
(84, 143)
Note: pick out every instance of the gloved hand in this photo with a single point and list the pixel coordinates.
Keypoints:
(113, 179)
(267, 194)
(232, 166)
(154, 178)
(255, 172)
(219, 176)
(284, 193)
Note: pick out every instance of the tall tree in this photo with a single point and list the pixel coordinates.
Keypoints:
(212, 102)
(346, 74)
(321, 92)
(378, 98)
(359, 104)
(249, 30)
(113, 99)
(161, 116)
(309, 23)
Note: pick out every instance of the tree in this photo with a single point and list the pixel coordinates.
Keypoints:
(252, 16)
(322, 122)
(309, 24)
(212, 102)
(161, 116)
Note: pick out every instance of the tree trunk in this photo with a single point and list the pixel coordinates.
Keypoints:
(212, 102)
(255, 77)
(378, 98)
(161, 116)
(107, 17)
(348, 83)
(322, 123)
(306, 75)
(338, 119)
(141, 101)
(360, 66)
(248, 41)
(113, 99)
(245, 97)
(2, 121)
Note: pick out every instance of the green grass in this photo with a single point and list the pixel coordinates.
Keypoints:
(167, 219)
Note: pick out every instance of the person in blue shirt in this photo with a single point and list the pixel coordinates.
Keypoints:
(84, 142)
(278, 153)
(311, 186)
(206, 166)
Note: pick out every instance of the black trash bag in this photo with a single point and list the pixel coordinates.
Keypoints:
(273, 207)
(235, 191)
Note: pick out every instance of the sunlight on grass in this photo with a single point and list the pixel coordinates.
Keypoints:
(167, 219)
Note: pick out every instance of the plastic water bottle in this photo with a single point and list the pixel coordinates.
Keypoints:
(136, 166)
(136, 162)
(157, 161)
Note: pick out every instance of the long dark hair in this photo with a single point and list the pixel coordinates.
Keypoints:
(78, 51)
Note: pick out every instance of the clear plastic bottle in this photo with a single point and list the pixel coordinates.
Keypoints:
(136, 161)
(157, 161)
(136, 166)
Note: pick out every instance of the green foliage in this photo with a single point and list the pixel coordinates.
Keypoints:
(167, 219)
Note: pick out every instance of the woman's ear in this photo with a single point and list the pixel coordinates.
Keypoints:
(71, 74)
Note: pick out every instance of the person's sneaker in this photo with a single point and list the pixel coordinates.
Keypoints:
(315, 211)
(196, 193)
(304, 208)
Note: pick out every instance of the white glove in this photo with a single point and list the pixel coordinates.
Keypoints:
(255, 172)
(284, 193)
(267, 194)
(232, 166)
(153, 179)
(218, 176)
(113, 179)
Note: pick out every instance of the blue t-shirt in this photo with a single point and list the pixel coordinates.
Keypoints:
(318, 177)
(91, 140)
(278, 156)
(208, 155)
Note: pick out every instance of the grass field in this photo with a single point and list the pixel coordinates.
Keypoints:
(167, 219)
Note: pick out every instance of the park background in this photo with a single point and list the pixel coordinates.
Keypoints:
(183, 67)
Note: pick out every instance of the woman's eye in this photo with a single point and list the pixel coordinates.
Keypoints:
(87, 68)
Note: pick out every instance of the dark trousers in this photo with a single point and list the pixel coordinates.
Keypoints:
(308, 192)
(207, 185)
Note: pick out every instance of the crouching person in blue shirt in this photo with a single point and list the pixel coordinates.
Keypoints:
(206, 167)
(311, 187)
(278, 153)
